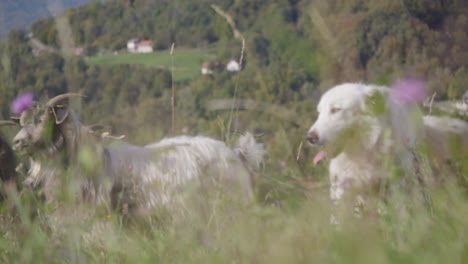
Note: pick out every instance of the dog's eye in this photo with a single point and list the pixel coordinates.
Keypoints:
(335, 110)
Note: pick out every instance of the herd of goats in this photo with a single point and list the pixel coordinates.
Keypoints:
(122, 176)
(56, 148)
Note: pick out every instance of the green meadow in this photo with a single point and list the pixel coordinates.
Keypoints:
(185, 62)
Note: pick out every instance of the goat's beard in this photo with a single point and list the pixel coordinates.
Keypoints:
(48, 149)
(56, 145)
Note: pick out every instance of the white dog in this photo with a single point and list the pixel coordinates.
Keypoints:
(362, 127)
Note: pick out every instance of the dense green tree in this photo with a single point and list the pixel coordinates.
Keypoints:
(294, 49)
(458, 84)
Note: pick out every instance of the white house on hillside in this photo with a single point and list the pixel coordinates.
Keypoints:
(132, 45)
(233, 66)
(206, 68)
(137, 46)
(145, 46)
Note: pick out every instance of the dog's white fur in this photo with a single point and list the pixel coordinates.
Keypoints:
(360, 126)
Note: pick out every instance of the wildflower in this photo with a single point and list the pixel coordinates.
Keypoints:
(409, 91)
(22, 102)
(283, 164)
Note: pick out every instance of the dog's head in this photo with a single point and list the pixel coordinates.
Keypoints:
(340, 111)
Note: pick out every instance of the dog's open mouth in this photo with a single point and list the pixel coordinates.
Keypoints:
(328, 151)
(321, 155)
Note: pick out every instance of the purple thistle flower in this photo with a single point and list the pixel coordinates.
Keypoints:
(283, 164)
(409, 91)
(22, 102)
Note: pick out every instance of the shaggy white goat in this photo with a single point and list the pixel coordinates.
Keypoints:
(163, 173)
(447, 138)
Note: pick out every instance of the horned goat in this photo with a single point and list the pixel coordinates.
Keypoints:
(140, 178)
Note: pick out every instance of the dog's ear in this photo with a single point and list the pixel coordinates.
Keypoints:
(374, 103)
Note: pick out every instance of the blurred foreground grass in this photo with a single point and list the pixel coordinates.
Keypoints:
(262, 233)
(290, 223)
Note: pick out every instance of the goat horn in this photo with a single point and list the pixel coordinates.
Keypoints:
(53, 101)
(7, 122)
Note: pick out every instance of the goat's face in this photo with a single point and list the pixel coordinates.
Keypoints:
(41, 127)
(38, 131)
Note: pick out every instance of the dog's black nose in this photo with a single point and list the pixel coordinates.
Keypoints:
(312, 137)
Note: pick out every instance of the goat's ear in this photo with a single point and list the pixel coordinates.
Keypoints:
(97, 129)
(60, 113)
(101, 131)
(59, 106)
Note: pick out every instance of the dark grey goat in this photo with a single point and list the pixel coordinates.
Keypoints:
(7, 165)
(138, 178)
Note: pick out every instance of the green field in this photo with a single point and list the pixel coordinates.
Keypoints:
(187, 62)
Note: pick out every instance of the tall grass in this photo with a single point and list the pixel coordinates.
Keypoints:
(288, 224)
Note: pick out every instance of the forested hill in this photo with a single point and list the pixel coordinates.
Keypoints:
(16, 14)
(293, 50)
(346, 40)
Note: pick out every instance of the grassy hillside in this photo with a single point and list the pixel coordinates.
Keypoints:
(187, 62)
